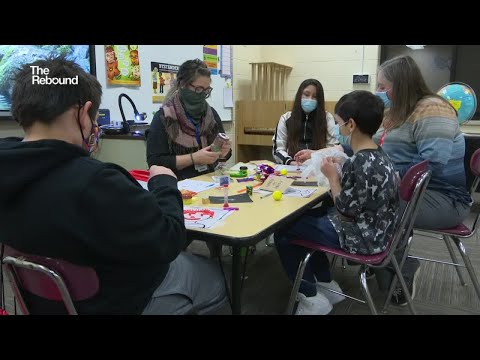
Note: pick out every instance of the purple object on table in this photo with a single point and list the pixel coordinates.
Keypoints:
(245, 179)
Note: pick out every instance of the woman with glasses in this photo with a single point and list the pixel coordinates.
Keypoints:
(306, 127)
(183, 130)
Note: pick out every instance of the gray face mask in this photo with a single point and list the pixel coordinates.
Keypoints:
(195, 104)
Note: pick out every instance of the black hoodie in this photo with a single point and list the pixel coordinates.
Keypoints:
(56, 201)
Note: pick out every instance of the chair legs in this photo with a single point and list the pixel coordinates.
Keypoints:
(468, 264)
(454, 259)
(398, 276)
(363, 286)
(365, 291)
(296, 284)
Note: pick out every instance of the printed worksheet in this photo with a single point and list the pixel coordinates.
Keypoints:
(195, 185)
(299, 192)
(204, 218)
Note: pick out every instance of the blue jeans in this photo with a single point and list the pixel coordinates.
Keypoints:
(317, 229)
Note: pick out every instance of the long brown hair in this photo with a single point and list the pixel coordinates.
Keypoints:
(317, 117)
(408, 87)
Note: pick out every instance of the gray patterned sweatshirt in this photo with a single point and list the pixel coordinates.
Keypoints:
(368, 201)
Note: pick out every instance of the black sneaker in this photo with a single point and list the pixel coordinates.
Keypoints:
(398, 296)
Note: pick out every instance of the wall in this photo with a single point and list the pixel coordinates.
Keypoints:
(243, 55)
(468, 60)
(333, 65)
(434, 62)
(10, 128)
(142, 95)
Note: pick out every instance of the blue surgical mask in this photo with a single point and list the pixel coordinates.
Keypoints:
(342, 139)
(308, 105)
(383, 95)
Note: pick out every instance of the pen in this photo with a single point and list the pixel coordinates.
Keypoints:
(231, 208)
(264, 196)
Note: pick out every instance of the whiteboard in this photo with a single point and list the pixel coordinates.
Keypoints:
(142, 95)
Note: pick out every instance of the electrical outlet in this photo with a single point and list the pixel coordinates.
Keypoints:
(361, 79)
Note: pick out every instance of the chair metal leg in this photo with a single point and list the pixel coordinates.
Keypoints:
(296, 284)
(365, 291)
(446, 239)
(468, 264)
(394, 279)
(344, 264)
(404, 286)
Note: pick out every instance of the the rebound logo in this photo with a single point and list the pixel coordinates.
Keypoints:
(46, 80)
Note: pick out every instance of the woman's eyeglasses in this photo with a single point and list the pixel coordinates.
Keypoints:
(200, 90)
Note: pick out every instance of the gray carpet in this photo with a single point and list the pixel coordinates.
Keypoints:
(266, 287)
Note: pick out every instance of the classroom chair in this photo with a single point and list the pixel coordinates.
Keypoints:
(412, 188)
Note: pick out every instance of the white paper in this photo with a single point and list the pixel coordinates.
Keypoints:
(228, 97)
(195, 185)
(292, 168)
(144, 184)
(299, 192)
(197, 217)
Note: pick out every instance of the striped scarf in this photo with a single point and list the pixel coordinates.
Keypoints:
(180, 129)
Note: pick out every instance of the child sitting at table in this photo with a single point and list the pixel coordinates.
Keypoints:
(365, 207)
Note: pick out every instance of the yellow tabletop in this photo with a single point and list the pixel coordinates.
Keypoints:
(254, 220)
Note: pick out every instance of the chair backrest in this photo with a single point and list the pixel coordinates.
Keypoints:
(412, 188)
(49, 279)
(410, 180)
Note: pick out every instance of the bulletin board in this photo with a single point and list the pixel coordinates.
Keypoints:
(142, 95)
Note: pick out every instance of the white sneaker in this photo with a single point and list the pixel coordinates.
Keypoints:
(332, 297)
(314, 305)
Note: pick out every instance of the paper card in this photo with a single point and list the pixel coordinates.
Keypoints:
(274, 183)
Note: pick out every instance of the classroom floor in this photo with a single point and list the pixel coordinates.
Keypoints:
(266, 287)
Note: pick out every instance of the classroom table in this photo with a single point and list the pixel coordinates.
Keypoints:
(250, 224)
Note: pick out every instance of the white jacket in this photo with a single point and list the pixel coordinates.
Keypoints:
(280, 151)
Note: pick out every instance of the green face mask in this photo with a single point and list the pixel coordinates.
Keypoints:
(195, 104)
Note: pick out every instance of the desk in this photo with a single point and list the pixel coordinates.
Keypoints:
(249, 225)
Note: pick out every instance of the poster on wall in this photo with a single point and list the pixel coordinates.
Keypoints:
(163, 79)
(210, 57)
(122, 65)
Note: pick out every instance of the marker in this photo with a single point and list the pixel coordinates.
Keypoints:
(231, 208)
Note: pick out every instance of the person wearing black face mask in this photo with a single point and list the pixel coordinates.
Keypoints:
(183, 130)
(56, 201)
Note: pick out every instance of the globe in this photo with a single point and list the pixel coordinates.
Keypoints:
(462, 97)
